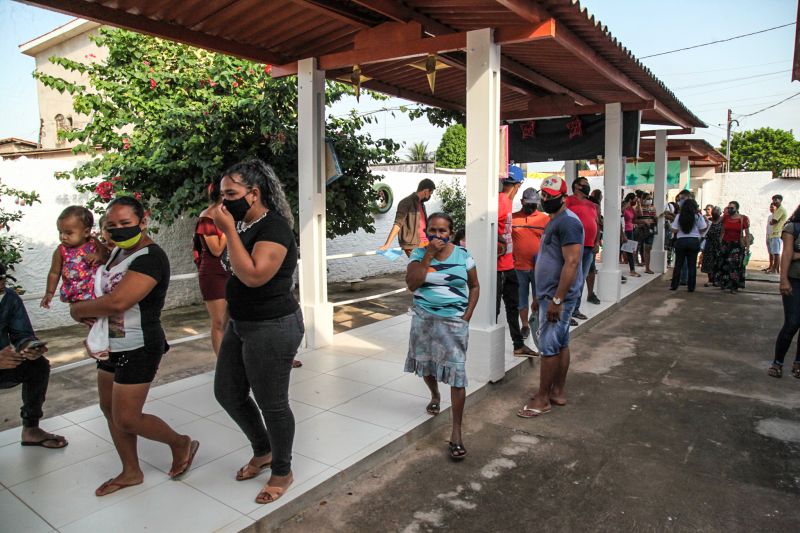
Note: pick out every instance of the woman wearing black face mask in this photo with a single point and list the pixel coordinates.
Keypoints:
(266, 325)
(134, 283)
(733, 247)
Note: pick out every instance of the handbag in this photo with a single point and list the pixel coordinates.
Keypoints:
(745, 240)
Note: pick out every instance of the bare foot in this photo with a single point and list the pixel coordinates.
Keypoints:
(122, 481)
(275, 488)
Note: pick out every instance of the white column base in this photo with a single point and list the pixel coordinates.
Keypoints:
(486, 353)
(658, 260)
(318, 320)
(608, 285)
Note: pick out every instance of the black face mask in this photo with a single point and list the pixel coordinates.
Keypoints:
(529, 209)
(585, 190)
(552, 205)
(731, 211)
(120, 235)
(237, 208)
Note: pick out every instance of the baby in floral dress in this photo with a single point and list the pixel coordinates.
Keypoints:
(76, 259)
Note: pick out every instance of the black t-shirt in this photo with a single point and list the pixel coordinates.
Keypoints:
(274, 299)
(142, 323)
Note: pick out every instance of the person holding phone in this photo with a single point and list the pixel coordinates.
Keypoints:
(22, 362)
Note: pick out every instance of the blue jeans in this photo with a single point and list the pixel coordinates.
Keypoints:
(586, 264)
(554, 335)
(791, 323)
(527, 286)
(258, 355)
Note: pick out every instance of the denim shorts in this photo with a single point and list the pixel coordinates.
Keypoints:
(775, 245)
(554, 335)
(527, 285)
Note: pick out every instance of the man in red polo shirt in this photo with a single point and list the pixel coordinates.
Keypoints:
(589, 215)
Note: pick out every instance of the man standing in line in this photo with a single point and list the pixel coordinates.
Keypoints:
(507, 285)
(526, 234)
(558, 285)
(411, 219)
(779, 218)
(587, 212)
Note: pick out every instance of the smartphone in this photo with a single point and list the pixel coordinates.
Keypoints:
(36, 343)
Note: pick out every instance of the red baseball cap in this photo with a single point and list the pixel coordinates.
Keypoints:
(554, 185)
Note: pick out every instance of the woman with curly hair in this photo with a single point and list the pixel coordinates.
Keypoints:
(266, 325)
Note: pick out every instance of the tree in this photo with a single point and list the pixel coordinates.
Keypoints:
(11, 246)
(454, 202)
(169, 118)
(418, 152)
(452, 151)
(763, 149)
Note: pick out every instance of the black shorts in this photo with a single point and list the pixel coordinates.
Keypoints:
(133, 367)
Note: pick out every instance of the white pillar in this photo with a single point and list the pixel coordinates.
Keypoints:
(486, 361)
(608, 277)
(571, 173)
(658, 257)
(684, 180)
(317, 311)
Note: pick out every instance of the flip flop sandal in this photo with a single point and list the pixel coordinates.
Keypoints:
(270, 494)
(115, 485)
(527, 412)
(796, 370)
(61, 441)
(573, 322)
(296, 363)
(254, 469)
(433, 408)
(525, 352)
(776, 371)
(193, 447)
(580, 316)
(457, 451)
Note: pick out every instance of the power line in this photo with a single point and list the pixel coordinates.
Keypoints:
(717, 89)
(770, 107)
(741, 67)
(718, 41)
(716, 82)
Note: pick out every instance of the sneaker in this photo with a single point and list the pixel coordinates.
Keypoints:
(593, 299)
(526, 332)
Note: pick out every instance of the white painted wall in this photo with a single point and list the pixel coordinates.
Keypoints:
(753, 191)
(40, 237)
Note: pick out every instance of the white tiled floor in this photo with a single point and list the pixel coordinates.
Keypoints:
(349, 400)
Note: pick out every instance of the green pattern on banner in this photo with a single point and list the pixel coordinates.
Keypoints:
(645, 174)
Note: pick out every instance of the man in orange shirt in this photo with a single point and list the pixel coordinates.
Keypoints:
(527, 227)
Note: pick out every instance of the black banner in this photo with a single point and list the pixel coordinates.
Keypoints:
(563, 139)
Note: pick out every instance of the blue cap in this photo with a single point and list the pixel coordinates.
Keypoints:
(515, 175)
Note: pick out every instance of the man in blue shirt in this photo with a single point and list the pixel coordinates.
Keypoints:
(558, 289)
(22, 363)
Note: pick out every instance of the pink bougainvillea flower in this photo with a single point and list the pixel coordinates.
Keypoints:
(235, 84)
(146, 62)
(138, 196)
(267, 69)
(212, 83)
(153, 83)
(104, 190)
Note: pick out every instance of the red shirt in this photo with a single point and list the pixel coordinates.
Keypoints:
(505, 261)
(732, 229)
(527, 233)
(587, 213)
(423, 226)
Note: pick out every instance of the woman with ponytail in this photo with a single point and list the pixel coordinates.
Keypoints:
(265, 326)
(687, 226)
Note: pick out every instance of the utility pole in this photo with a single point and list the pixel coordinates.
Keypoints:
(728, 144)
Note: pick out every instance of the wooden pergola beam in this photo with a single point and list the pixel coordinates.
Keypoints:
(528, 74)
(557, 109)
(157, 28)
(334, 10)
(411, 95)
(652, 133)
(399, 12)
(530, 11)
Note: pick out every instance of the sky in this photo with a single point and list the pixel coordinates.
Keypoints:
(746, 75)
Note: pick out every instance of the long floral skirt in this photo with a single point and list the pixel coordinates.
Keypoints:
(438, 347)
(730, 271)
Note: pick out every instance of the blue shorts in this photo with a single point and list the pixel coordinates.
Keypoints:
(527, 286)
(554, 335)
(775, 245)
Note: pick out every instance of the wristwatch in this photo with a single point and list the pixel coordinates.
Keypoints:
(556, 300)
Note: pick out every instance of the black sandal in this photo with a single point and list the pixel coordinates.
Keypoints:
(457, 451)
(796, 370)
(433, 408)
(776, 371)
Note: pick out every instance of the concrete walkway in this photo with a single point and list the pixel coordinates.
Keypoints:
(351, 401)
(672, 425)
